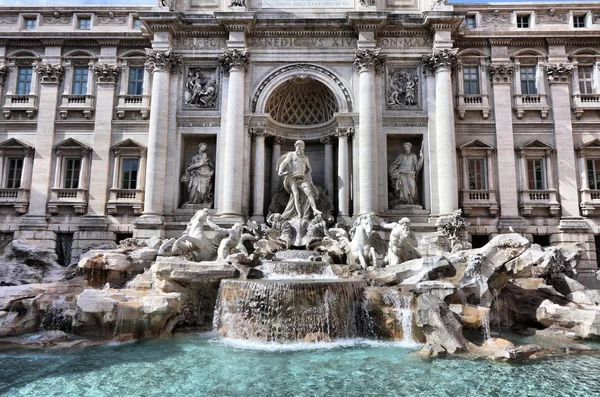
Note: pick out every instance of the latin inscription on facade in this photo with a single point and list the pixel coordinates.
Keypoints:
(201, 42)
(312, 42)
(303, 3)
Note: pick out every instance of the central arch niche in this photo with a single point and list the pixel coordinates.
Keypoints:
(302, 101)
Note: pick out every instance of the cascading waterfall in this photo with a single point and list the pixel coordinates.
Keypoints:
(297, 269)
(290, 310)
(402, 305)
(485, 322)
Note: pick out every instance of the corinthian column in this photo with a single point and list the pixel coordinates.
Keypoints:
(259, 173)
(343, 171)
(441, 62)
(368, 62)
(277, 141)
(328, 142)
(234, 62)
(161, 63)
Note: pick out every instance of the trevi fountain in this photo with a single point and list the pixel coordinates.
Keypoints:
(300, 305)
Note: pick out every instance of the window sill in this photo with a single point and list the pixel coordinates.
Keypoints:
(535, 201)
(61, 197)
(20, 103)
(18, 198)
(77, 103)
(525, 103)
(583, 102)
(133, 103)
(125, 198)
(478, 102)
(479, 202)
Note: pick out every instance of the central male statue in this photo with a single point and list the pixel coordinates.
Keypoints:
(297, 181)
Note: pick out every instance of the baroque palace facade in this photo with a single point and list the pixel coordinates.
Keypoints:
(124, 121)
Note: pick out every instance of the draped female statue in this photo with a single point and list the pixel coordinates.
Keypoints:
(198, 176)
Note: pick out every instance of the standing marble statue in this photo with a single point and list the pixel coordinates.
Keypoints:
(403, 173)
(403, 244)
(198, 175)
(297, 181)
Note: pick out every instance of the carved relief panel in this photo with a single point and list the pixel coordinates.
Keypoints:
(403, 88)
(201, 88)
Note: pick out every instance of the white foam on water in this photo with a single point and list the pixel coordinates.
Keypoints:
(304, 346)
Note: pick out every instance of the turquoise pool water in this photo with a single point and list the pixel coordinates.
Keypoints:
(206, 365)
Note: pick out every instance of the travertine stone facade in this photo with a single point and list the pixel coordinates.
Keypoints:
(103, 108)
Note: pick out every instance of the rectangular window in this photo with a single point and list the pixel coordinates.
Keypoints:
(130, 171)
(585, 79)
(24, 80)
(84, 23)
(593, 169)
(536, 174)
(136, 81)
(471, 80)
(72, 171)
(137, 23)
(477, 174)
(14, 172)
(30, 23)
(528, 86)
(470, 21)
(522, 21)
(80, 78)
(579, 21)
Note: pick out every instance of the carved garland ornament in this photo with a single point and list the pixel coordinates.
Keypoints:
(234, 60)
(106, 73)
(367, 60)
(559, 72)
(163, 60)
(440, 59)
(501, 73)
(49, 73)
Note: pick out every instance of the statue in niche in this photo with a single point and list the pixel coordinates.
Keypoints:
(403, 175)
(403, 244)
(200, 89)
(402, 92)
(297, 181)
(198, 176)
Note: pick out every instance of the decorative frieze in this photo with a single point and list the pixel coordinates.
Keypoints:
(111, 19)
(501, 72)
(551, 17)
(56, 19)
(106, 73)
(403, 89)
(162, 60)
(441, 59)
(49, 73)
(234, 59)
(405, 121)
(8, 20)
(559, 72)
(201, 89)
(496, 19)
(368, 59)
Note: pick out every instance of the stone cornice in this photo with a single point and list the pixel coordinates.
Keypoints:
(162, 22)
(367, 21)
(234, 59)
(369, 59)
(236, 21)
(442, 21)
(398, 121)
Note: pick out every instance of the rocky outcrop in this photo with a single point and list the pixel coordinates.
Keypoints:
(413, 271)
(583, 321)
(126, 314)
(443, 332)
(471, 316)
(22, 263)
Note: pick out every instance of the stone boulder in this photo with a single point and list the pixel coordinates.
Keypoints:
(443, 332)
(471, 316)
(413, 271)
(22, 263)
(565, 285)
(589, 297)
(115, 267)
(541, 262)
(441, 289)
(125, 314)
(584, 322)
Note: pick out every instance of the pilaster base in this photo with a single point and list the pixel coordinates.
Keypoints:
(573, 225)
(148, 226)
(34, 222)
(93, 222)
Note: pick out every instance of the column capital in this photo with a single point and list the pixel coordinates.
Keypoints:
(441, 59)
(234, 59)
(278, 140)
(559, 72)
(327, 140)
(3, 71)
(501, 72)
(50, 74)
(344, 132)
(107, 74)
(258, 132)
(368, 60)
(162, 60)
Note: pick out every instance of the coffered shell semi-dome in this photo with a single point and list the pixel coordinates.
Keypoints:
(302, 101)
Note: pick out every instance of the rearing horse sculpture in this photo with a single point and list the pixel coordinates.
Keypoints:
(359, 250)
